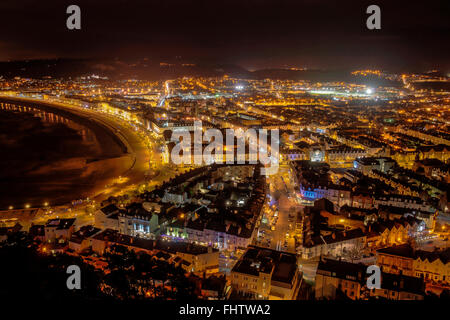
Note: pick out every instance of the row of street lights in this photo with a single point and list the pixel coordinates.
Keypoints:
(28, 206)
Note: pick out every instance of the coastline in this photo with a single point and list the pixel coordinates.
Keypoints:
(82, 177)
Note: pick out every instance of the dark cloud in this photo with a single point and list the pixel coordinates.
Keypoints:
(250, 32)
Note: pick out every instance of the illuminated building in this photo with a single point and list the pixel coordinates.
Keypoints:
(266, 274)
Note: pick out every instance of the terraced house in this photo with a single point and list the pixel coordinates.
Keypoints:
(433, 267)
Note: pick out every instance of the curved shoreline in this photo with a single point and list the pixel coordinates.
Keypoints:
(100, 169)
(99, 129)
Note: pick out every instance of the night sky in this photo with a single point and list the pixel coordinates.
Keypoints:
(251, 33)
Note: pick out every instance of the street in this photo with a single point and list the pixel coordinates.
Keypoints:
(278, 227)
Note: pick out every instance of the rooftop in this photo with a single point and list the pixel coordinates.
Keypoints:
(281, 265)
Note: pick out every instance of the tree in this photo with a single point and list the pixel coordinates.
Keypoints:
(355, 252)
